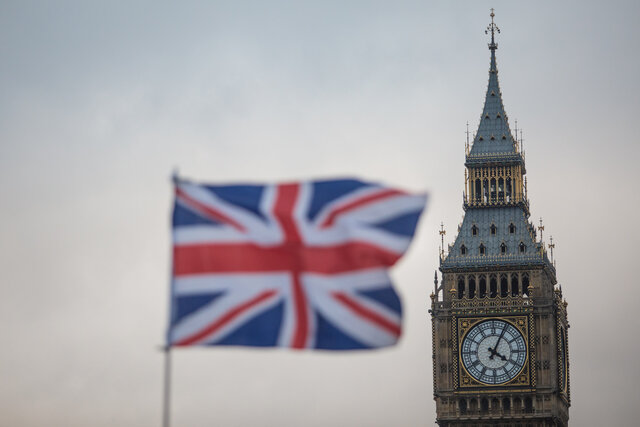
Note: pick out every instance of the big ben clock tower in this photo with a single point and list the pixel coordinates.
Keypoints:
(500, 348)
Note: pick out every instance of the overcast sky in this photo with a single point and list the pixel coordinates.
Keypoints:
(100, 101)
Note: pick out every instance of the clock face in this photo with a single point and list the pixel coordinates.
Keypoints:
(494, 351)
(562, 371)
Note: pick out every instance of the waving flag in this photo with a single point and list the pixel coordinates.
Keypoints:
(300, 265)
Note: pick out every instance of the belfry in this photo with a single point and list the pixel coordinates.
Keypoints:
(499, 321)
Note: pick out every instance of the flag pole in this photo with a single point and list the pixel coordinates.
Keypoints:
(166, 398)
(166, 395)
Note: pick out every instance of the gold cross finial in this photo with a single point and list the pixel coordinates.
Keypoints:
(493, 28)
(551, 246)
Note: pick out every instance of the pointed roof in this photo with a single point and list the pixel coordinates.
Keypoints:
(493, 140)
(495, 236)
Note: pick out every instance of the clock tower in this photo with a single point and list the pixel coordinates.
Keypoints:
(499, 322)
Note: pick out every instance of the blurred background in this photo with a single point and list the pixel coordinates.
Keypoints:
(101, 101)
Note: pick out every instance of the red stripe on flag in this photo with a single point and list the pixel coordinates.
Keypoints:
(207, 210)
(251, 258)
(284, 210)
(356, 204)
(368, 314)
(226, 318)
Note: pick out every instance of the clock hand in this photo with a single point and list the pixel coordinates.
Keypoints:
(500, 337)
(494, 352)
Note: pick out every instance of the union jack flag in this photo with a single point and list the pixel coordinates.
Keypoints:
(300, 265)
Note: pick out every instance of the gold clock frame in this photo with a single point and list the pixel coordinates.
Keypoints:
(463, 381)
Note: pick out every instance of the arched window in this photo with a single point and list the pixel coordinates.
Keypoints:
(460, 287)
(472, 287)
(493, 229)
(483, 286)
(506, 405)
(484, 405)
(485, 190)
(525, 284)
(512, 228)
(495, 405)
(503, 248)
(474, 230)
(528, 405)
(478, 192)
(508, 189)
(515, 286)
(504, 286)
(501, 190)
(473, 405)
(493, 189)
(463, 406)
(482, 249)
(493, 286)
(463, 250)
(522, 247)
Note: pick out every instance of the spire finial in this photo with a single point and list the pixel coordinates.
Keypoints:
(493, 28)
(442, 233)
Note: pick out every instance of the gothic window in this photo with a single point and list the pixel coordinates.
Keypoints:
(522, 247)
(528, 405)
(463, 406)
(485, 190)
(478, 192)
(473, 405)
(493, 286)
(508, 189)
(460, 287)
(493, 189)
(512, 228)
(486, 116)
(493, 229)
(495, 405)
(503, 248)
(498, 116)
(483, 286)
(482, 249)
(472, 287)
(474, 230)
(506, 404)
(463, 250)
(504, 286)
(484, 405)
(501, 190)
(525, 284)
(514, 284)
